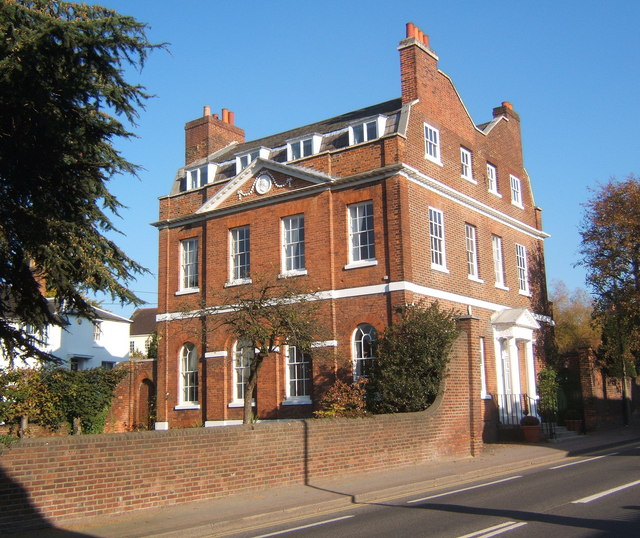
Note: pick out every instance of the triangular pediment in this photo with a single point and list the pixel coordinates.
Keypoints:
(263, 179)
(515, 317)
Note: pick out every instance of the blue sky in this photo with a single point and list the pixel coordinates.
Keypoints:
(571, 69)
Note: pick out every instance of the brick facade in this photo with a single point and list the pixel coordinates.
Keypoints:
(390, 169)
(48, 480)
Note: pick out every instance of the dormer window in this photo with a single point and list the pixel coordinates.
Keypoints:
(244, 160)
(199, 177)
(303, 147)
(366, 131)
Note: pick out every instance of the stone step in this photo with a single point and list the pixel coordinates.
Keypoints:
(562, 434)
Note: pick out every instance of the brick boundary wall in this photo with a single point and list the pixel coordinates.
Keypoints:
(52, 479)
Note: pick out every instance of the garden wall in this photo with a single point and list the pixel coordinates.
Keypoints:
(52, 479)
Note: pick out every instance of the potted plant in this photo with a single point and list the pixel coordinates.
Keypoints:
(531, 428)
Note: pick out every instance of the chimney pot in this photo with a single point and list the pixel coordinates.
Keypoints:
(425, 40)
(231, 117)
(216, 117)
(225, 115)
(419, 35)
(411, 29)
(507, 104)
(206, 111)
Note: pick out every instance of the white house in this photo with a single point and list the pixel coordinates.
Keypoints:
(82, 344)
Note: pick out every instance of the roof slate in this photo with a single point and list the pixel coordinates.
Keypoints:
(322, 127)
(144, 321)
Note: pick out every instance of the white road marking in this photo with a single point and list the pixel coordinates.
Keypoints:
(583, 461)
(305, 526)
(463, 489)
(495, 530)
(595, 496)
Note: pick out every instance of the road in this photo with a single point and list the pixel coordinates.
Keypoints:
(591, 495)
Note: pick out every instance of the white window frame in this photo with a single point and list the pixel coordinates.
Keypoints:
(523, 270)
(516, 191)
(293, 246)
(40, 336)
(432, 144)
(303, 147)
(243, 160)
(239, 269)
(97, 331)
(466, 164)
(366, 126)
(297, 375)
(243, 352)
(471, 248)
(498, 262)
(189, 270)
(363, 349)
(437, 248)
(188, 382)
(492, 179)
(199, 176)
(362, 238)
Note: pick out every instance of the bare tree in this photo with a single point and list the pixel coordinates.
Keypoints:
(262, 317)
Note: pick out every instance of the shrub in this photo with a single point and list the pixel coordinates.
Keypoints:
(548, 392)
(24, 393)
(412, 358)
(343, 400)
(85, 394)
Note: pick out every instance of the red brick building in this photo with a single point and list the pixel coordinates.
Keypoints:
(387, 205)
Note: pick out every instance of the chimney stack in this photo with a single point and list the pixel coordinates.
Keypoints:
(417, 61)
(209, 134)
(505, 109)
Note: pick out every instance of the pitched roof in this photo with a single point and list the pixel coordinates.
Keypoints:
(144, 321)
(321, 127)
(334, 136)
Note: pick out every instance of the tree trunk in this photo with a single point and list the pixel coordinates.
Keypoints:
(24, 426)
(250, 387)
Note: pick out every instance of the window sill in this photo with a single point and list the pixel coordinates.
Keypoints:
(486, 397)
(356, 265)
(519, 206)
(502, 287)
(469, 179)
(240, 282)
(187, 291)
(476, 279)
(215, 354)
(297, 401)
(291, 274)
(440, 268)
(239, 404)
(495, 193)
(434, 161)
(525, 293)
(186, 406)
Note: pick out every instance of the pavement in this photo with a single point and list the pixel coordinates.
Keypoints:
(256, 510)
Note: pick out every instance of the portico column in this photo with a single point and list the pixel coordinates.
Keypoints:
(514, 366)
(531, 372)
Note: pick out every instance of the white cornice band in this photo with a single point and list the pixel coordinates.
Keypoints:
(377, 289)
